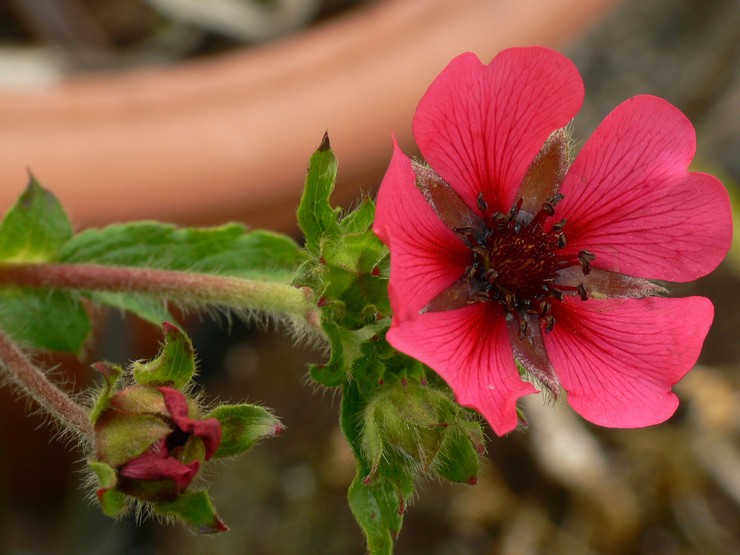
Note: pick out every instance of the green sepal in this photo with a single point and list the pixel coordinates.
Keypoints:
(316, 217)
(175, 363)
(346, 350)
(360, 219)
(242, 426)
(458, 460)
(43, 319)
(111, 374)
(35, 227)
(195, 510)
(113, 502)
(123, 437)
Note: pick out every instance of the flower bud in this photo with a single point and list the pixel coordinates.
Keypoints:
(154, 440)
(426, 427)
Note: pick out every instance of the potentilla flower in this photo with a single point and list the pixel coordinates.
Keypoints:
(503, 250)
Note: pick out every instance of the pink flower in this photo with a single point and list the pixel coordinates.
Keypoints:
(500, 249)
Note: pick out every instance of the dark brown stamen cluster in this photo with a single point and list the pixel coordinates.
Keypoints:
(516, 263)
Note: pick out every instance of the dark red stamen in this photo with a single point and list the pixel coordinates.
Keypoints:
(516, 263)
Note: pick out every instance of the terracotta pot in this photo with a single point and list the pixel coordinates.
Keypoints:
(229, 137)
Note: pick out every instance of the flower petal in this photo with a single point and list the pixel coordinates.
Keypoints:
(630, 200)
(426, 256)
(470, 349)
(480, 126)
(208, 430)
(152, 467)
(618, 359)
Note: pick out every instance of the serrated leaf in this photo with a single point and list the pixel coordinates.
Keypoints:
(35, 228)
(174, 364)
(151, 309)
(40, 319)
(194, 509)
(242, 426)
(225, 250)
(378, 505)
(316, 217)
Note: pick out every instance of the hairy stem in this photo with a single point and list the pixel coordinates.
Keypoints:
(192, 288)
(32, 381)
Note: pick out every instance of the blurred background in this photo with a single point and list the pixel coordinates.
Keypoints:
(200, 112)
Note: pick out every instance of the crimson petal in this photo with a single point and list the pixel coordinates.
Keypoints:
(426, 255)
(630, 200)
(618, 359)
(480, 126)
(208, 430)
(470, 349)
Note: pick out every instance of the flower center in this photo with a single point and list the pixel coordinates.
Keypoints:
(516, 262)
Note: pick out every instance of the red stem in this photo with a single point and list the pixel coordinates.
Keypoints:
(34, 382)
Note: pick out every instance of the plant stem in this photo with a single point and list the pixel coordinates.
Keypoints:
(174, 285)
(32, 380)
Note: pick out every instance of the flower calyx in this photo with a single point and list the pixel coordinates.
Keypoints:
(152, 437)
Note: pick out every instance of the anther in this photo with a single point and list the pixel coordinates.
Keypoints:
(516, 208)
(549, 323)
(482, 204)
(490, 275)
(585, 258)
(558, 226)
(555, 199)
(522, 329)
(582, 292)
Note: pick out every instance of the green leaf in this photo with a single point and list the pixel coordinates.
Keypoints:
(193, 508)
(40, 319)
(147, 308)
(35, 228)
(242, 426)
(378, 505)
(316, 217)
(226, 250)
(174, 364)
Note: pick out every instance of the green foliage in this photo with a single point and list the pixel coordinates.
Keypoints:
(397, 425)
(42, 319)
(228, 250)
(37, 230)
(316, 217)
